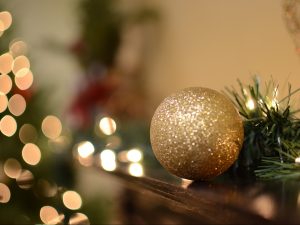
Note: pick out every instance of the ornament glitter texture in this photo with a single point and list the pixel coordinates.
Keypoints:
(196, 133)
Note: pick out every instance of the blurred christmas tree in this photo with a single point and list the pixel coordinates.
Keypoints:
(110, 110)
(35, 174)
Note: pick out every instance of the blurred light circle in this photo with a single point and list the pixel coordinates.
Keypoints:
(85, 149)
(17, 105)
(72, 200)
(27, 134)
(79, 219)
(6, 20)
(24, 82)
(4, 193)
(12, 168)
(108, 160)
(136, 169)
(5, 84)
(25, 180)
(31, 154)
(107, 125)
(17, 48)
(108, 155)
(49, 215)
(134, 155)
(6, 61)
(8, 125)
(51, 127)
(21, 66)
(3, 102)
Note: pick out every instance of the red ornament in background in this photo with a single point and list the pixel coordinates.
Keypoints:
(95, 90)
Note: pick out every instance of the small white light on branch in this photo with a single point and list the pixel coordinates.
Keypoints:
(250, 104)
(297, 160)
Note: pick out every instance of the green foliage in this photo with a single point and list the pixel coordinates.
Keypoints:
(102, 25)
(272, 132)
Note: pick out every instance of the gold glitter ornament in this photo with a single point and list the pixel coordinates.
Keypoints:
(196, 133)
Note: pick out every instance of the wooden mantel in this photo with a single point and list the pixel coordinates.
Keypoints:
(215, 202)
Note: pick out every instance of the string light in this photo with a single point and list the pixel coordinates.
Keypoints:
(12, 168)
(108, 160)
(107, 125)
(21, 66)
(136, 169)
(24, 82)
(6, 61)
(79, 219)
(27, 134)
(5, 20)
(8, 126)
(85, 149)
(31, 154)
(49, 215)
(250, 104)
(134, 155)
(51, 127)
(17, 48)
(17, 105)
(3, 102)
(5, 84)
(72, 200)
(4, 193)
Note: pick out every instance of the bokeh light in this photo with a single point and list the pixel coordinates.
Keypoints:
(264, 206)
(25, 180)
(6, 61)
(24, 82)
(5, 84)
(31, 154)
(17, 105)
(5, 20)
(12, 168)
(4, 193)
(8, 126)
(72, 200)
(134, 155)
(27, 133)
(21, 66)
(136, 169)
(297, 160)
(85, 149)
(17, 48)
(250, 104)
(107, 125)
(108, 160)
(49, 215)
(79, 219)
(3, 102)
(51, 127)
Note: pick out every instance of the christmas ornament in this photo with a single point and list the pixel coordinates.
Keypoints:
(196, 133)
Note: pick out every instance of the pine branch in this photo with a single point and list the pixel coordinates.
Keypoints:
(272, 132)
